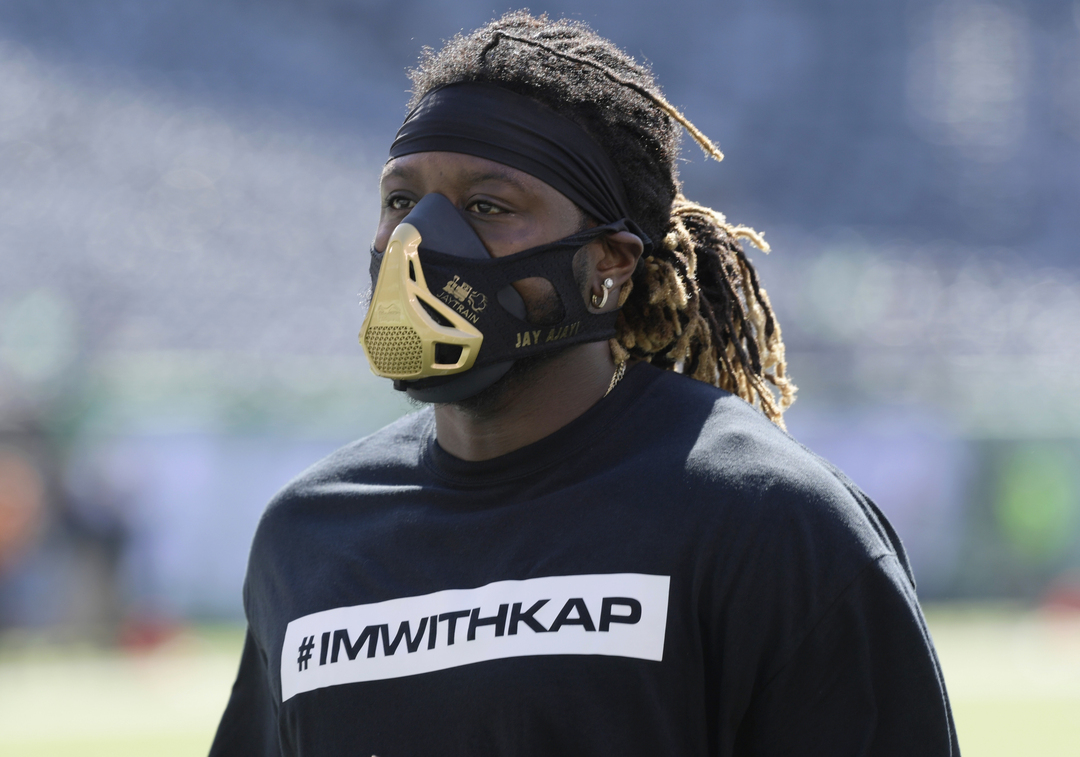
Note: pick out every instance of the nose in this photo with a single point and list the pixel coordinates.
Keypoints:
(444, 229)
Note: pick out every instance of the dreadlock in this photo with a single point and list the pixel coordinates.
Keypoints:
(694, 305)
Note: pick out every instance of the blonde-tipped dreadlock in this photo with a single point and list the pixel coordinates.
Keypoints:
(694, 304)
(697, 307)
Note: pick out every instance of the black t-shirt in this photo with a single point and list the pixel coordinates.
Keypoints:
(669, 574)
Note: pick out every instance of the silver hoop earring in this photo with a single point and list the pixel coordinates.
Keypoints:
(597, 300)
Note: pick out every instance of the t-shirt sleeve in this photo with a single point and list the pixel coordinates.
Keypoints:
(864, 681)
(249, 726)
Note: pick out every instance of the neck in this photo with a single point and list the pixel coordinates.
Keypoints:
(531, 406)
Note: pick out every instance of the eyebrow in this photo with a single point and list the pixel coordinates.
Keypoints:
(477, 177)
(469, 177)
(396, 172)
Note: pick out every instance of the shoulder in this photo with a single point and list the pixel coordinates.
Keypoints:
(372, 460)
(383, 461)
(752, 479)
(307, 517)
(779, 533)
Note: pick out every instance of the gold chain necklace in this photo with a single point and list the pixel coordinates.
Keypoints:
(620, 369)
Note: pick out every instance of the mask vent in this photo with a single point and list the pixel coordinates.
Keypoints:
(395, 350)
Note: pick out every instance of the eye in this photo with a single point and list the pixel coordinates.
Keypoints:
(400, 202)
(485, 208)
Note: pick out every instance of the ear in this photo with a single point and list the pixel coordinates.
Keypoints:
(613, 256)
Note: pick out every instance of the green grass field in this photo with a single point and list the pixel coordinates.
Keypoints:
(1014, 679)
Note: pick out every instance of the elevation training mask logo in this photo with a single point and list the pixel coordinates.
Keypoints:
(463, 294)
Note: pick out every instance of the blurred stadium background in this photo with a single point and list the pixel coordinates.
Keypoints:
(187, 196)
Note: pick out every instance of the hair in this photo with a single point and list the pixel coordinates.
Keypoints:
(694, 304)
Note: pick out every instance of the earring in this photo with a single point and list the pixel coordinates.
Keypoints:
(597, 300)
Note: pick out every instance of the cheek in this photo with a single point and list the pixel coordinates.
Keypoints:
(542, 304)
(535, 289)
(585, 261)
(502, 239)
(530, 230)
(382, 233)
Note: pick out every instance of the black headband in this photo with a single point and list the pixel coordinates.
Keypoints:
(485, 120)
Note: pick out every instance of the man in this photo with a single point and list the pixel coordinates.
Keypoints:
(596, 539)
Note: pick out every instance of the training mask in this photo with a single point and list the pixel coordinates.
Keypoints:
(444, 321)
